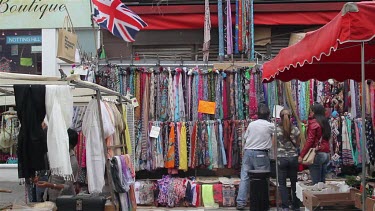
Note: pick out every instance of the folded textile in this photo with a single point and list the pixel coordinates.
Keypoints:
(208, 196)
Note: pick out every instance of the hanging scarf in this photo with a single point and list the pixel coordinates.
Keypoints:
(353, 110)
(170, 161)
(152, 97)
(59, 109)
(240, 24)
(236, 40)
(221, 27)
(171, 97)
(229, 29)
(252, 97)
(290, 100)
(207, 28)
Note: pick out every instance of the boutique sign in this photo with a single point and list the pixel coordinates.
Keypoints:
(41, 14)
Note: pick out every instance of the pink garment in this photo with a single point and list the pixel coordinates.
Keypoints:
(253, 106)
(83, 158)
(225, 103)
(372, 95)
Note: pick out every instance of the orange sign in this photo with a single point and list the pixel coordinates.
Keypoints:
(206, 107)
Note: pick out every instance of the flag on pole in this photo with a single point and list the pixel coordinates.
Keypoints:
(117, 18)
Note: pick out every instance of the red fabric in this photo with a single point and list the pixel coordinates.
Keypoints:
(196, 21)
(314, 132)
(218, 193)
(332, 51)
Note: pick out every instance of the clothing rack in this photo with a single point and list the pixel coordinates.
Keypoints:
(11, 79)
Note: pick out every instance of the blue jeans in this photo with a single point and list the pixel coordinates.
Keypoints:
(288, 167)
(252, 160)
(318, 169)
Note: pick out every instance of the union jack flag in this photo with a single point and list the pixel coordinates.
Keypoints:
(117, 18)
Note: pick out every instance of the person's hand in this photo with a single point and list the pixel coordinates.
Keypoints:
(299, 160)
(36, 180)
(43, 184)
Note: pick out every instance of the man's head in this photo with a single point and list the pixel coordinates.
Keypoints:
(263, 111)
(73, 138)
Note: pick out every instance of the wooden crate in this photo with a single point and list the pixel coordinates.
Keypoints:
(370, 203)
(311, 200)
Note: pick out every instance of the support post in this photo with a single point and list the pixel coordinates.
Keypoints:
(275, 152)
(107, 165)
(363, 144)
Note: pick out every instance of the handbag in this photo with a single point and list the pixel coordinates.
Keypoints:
(309, 158)
(82, 202)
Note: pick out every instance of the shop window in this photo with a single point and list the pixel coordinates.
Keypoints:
(21, 51)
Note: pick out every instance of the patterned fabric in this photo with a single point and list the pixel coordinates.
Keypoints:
(144, 191)
(285, 148)
(369, 130)
(229, 192)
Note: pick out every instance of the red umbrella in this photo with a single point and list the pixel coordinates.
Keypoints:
(342, 49)
(333, 51)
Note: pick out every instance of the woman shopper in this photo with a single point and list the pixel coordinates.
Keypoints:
(287, 144)
(318, 135)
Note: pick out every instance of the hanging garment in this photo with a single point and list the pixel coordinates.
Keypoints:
(347, 157)
(59, 109)
(95, 156)
(170, 161)
(207, 29)
(183, 149)
(229, 29)
(369, 132)
(32, 144)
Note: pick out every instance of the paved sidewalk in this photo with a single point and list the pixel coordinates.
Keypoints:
(18, 193)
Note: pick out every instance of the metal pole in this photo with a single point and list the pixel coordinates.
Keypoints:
(275, 153)
(363, 145)
(109, 175)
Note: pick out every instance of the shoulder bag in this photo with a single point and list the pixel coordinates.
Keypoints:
(309, 158)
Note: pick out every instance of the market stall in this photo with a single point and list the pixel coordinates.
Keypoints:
(98, 114)
(342, 49)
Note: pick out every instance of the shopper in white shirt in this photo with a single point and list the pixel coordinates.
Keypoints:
(258, 138)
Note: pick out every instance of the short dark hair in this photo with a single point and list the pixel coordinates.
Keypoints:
(263, 111)
(73, 138)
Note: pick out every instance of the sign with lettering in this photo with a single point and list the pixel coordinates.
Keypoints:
(23, 39)
(43, 14)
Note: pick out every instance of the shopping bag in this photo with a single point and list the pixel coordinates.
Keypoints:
(67, 42)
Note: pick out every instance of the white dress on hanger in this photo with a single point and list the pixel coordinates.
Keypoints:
(95, 156)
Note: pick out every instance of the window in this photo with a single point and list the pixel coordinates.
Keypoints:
(21, 51)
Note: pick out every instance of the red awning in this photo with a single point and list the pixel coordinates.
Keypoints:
(196, 21)
(333, 51)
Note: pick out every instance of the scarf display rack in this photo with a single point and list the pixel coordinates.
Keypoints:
(171, 94)
(83, 92)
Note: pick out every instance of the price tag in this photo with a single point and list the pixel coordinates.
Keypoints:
(135, 102)
(154, 133)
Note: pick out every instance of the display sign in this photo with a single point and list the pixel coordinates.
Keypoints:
(43, 14)
(10, 40)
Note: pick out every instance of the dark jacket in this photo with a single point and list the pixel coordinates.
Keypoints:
(314, 133)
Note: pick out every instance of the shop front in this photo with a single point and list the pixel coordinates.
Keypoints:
(28, 45)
